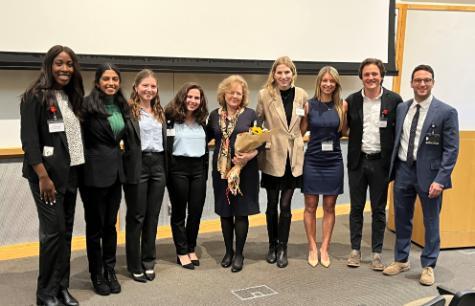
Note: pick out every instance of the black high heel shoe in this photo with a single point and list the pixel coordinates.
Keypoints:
(195, 262)
(139, 277)
(189, 266)
(150, 274)
(227, 260)
(237, 263)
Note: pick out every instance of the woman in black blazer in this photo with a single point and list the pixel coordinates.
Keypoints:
(144, 163)
(105, 114)
(51, 140)
(188, 153)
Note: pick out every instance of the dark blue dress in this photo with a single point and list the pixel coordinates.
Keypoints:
(323, 169)
(241, 205)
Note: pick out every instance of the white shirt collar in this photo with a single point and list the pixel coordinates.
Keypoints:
(378, 97)
(424, 104)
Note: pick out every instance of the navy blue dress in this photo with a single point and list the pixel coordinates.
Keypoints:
(240, 205)
(322, 169)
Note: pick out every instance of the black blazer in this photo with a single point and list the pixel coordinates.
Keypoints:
(171, 139)
(389, 103)
(35, 135)
(133, 151)
(102, 150)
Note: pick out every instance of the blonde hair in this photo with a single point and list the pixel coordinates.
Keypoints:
(336, 96)
(134, 100)
(226, 84)
(270, 83)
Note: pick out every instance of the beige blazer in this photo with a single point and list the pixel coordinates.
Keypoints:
(286, 140)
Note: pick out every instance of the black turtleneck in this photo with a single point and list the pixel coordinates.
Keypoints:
(288, 101)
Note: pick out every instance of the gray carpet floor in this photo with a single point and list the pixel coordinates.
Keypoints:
(259, 283)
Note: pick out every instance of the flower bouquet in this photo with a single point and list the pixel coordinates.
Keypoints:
(245, 142)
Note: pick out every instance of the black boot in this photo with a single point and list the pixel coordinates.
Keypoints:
(112, 281)
(100, 284)
(284, 229)
(272, 231)
(66, 298)
(238, 262)
(272, 253)
(282, 261)
(48, 301)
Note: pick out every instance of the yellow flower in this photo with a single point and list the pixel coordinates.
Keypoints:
(255, 130)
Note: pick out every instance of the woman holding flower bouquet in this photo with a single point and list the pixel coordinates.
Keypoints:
(224, 124)
(280, 107)
(323, 165)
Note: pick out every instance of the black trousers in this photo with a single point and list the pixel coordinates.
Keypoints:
(55, 233)
(186, 187)
(144, 201)
(101, 206)
(372, 174)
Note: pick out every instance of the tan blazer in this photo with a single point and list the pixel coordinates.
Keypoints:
(286, 140)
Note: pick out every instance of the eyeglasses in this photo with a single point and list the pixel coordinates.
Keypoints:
(420, 81)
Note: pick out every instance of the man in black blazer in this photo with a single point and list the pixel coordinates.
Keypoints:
(371, 121)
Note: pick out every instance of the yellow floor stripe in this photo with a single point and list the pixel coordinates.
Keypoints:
(207, 226)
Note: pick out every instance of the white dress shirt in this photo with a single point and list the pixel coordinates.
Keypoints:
(371, 142)
(406, 128)
(151, 137)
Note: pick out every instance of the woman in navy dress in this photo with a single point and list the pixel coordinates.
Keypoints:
(230, 119)
(323, 163)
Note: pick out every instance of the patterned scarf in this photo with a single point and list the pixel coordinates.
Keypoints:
(227, 123)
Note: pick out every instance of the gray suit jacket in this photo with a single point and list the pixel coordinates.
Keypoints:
(434, 162)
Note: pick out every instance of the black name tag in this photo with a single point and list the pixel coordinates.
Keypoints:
(433, 139)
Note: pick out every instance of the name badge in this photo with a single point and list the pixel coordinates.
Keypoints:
(383, 123)
(327, 145)
(171, 132)
(433, 139)
(300, 111)
(48, 151)
(55, 126)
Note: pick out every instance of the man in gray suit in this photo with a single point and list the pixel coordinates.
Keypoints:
(424, 155)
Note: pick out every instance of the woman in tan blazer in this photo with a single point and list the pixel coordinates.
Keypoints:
(280, 108)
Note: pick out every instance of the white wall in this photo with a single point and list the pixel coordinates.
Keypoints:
(444, 40)
(247, 29)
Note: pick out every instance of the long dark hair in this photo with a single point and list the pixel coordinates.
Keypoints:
(134, 101)
(176, 109)
(94, 102)
(45, 82)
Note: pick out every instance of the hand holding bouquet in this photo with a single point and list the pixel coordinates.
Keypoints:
(244, 147)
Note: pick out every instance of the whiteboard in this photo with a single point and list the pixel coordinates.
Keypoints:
(337, 31)
(445, 40)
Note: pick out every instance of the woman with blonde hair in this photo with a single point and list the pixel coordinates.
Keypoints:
(145, 169)
(323, 165)
(280, 108)
(231, 118)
